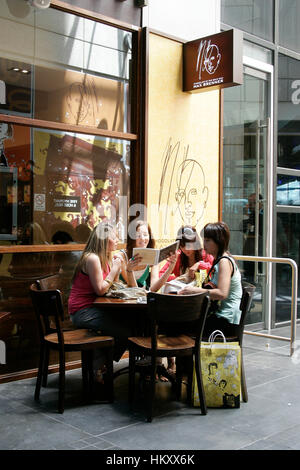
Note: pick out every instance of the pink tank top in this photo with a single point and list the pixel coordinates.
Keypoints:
(82, 293)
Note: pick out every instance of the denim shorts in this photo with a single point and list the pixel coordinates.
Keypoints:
(112, 323)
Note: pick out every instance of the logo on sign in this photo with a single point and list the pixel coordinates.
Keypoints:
(208, 58)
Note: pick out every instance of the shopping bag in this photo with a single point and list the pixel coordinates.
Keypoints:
(221, 373)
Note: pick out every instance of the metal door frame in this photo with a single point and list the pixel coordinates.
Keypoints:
(267, 69)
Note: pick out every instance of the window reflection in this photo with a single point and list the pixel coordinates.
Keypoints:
(76, 71)
(63, 183)
(287, 246)
(288, 112)
(289, 18)
(288, 190)
(253, 16)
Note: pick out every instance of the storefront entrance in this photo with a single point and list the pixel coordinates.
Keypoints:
(247, 178)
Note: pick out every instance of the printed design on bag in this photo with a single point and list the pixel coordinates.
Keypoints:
(213, 373)
(221, 375)
(231, 401)
(231, 361)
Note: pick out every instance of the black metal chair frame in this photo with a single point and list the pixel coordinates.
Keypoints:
(49, 311)
(246, 301)
(170, 310)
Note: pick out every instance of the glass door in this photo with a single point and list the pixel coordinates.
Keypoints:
(246, 152)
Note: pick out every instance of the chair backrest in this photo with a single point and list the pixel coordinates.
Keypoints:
(246, 301)
(49, 282)
(248, 292)
(169, 308)
(49, 311)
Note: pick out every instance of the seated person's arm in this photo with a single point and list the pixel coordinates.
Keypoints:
(222, 289)
(156, 281)
(128, 273)
(94, 270)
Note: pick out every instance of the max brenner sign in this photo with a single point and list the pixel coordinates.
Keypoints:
(213, 62)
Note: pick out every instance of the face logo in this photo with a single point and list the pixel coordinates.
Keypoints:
(208, 58)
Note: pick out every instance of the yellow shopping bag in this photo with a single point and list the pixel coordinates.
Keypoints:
(221, 373)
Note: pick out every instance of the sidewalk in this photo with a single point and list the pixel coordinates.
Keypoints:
(269, 421)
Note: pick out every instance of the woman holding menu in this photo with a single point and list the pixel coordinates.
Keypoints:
(145, 275)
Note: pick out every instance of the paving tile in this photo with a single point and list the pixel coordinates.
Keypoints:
(32, 430)
(269, 421)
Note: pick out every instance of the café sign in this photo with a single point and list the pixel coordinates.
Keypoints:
(213, 62)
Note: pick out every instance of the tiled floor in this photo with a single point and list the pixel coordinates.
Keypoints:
(270, 419)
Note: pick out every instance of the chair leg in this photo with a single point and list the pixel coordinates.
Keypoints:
(200, 383)
(243, 380)
(61, 392)
(40, 373)
(86, 386)
(190, 371)
(45, 366)
(131, 384)
(152, 389)
(110, 375)
(179, 373)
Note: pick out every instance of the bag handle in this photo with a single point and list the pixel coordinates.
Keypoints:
(217, 261)
(215, 334)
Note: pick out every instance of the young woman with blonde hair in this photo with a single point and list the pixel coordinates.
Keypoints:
(95, 272)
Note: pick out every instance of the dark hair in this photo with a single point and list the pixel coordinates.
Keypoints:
(188, 234)
(220, 234)
(131, 241)
(61, 237)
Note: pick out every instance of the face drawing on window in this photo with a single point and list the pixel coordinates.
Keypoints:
(191, 192)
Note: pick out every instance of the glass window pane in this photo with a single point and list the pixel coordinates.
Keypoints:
(289, 19)
(75, 71)
(287, 246)
(64, 183)
(288, 112)
(252, 16)
(257, 52)
(288, 190)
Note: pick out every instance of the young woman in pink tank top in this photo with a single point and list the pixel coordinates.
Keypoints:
(95, 272)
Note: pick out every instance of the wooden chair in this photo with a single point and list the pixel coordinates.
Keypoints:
(170, 310)
(48, 307)
(238, 331)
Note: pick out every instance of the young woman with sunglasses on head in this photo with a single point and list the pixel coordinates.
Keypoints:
(191, 257)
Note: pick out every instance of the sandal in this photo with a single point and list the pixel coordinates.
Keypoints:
(99, 375)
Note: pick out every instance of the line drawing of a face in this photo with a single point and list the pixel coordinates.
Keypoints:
(183, 193)
(212, 59)
(208, 58)
(191, 197)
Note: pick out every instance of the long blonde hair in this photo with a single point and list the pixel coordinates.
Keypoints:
(97, 243)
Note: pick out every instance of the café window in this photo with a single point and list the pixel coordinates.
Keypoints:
(71, 74)
(288, 113)
(59, 181)
(76, 71)
(289, 19)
